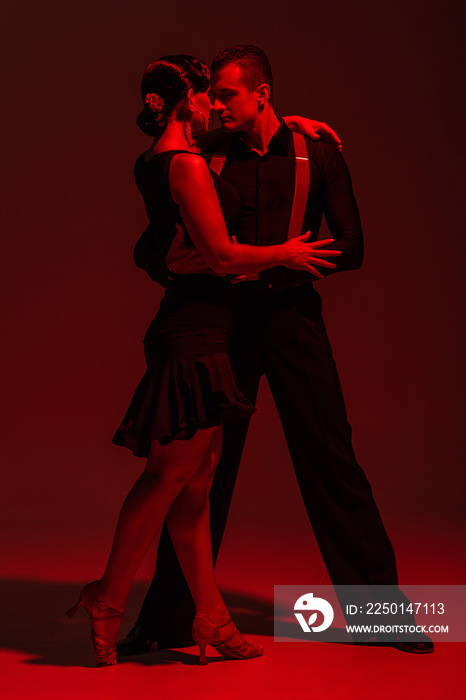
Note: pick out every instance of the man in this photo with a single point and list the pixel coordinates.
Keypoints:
(282, 335)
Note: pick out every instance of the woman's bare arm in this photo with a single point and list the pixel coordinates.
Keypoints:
(192, 188)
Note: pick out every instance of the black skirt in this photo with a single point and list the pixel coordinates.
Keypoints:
(190, 383)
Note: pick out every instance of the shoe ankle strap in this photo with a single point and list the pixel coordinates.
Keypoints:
(106, 608)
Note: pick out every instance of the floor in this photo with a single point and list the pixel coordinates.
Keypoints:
(46, 656)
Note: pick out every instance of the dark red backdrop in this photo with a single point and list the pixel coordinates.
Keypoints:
(388, 78)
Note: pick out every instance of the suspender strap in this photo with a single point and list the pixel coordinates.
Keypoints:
(218, 159)
(217, 162)
(301, 188)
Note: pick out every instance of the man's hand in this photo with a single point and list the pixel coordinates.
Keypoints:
(315, 130)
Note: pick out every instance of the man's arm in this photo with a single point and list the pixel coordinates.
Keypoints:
(210, 141)
(150, 258)
(315, 130)
(341, 212)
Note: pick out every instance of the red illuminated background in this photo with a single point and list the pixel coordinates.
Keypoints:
(388, 78)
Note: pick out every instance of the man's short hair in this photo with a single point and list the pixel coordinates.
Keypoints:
(253, 62)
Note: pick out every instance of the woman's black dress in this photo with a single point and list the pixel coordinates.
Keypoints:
(189, 382)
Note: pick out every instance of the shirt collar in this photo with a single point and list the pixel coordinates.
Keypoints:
(279, 145)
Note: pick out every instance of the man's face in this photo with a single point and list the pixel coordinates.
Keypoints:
(235, 105)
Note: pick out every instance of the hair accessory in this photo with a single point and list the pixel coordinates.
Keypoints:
(154, 102)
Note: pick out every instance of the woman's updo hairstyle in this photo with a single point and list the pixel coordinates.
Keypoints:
(165, 82)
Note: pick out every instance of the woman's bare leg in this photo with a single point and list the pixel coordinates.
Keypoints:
(189, 525)
(168, 469)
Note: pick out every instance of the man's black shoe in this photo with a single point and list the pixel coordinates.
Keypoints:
(424, 645)
(137, 641)
(175, 642)
(414, 647)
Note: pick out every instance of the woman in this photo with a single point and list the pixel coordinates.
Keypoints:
(189, 388)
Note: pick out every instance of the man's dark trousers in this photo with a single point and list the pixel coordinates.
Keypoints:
(282, 335)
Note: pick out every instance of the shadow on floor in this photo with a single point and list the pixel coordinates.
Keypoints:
(36, 625)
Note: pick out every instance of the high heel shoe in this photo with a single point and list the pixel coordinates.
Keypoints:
(226, 639)
(105, 623)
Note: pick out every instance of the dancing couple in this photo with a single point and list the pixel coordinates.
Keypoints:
(240, 303)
